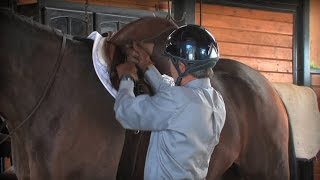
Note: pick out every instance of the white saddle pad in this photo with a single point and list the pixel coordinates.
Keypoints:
(99, 64)
(302, 107)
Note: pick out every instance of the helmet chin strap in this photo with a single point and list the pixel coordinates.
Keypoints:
(189, 70)
(181, 75)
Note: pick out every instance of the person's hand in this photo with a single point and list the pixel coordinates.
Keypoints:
(139, 56)
(127, 68)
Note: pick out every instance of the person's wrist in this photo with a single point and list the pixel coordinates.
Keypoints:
(147, 67)
(127, 77)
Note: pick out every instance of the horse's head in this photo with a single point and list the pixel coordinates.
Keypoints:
(152, 31)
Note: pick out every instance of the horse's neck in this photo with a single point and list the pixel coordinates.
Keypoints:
(27, 59)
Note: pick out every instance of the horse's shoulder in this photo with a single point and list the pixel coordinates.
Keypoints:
(233, 66)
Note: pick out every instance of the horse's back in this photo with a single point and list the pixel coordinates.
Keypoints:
(256, 128)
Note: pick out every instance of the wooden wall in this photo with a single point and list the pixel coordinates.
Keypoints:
(260, 39)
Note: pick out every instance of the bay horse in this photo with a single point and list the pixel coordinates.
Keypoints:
(62, 122)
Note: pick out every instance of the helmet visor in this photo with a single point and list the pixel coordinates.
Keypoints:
(190, 51)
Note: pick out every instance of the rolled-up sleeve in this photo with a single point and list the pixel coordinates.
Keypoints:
(144, 112)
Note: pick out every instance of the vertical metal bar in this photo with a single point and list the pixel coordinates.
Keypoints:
(2, 168)
(306, 43)
(13, 5)
(40, 11)
(184, 9)
(86, 18)
(302, 44)
(295, 48)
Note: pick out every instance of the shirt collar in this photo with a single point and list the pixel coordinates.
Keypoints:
(203, 83)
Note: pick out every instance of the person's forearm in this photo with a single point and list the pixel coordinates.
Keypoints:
(138, 113)
(123, 105)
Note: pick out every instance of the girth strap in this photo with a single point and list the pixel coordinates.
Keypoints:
(133, 155)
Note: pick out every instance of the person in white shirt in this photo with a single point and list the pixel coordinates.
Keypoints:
(186, 116)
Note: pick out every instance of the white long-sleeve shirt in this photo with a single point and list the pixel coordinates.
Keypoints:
(185, 121)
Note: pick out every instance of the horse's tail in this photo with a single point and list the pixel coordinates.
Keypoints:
(292, 156)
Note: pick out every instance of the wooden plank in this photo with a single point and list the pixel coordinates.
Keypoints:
(244, 50)
(24, 2)
(229, 22)
(315, 80)
(246, 13)
(7, 163)
(267, 65)
(316, 167)
(278, 77)
(249, 37)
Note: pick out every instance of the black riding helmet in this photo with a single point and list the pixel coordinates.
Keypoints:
(194, 46)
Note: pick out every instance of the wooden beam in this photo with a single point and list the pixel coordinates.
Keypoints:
(251, 37)
(24, 2)
(255, 51)
(244, 13)
(273, 5)
(239, 23)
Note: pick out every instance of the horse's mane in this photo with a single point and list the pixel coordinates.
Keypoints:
(17, 19)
